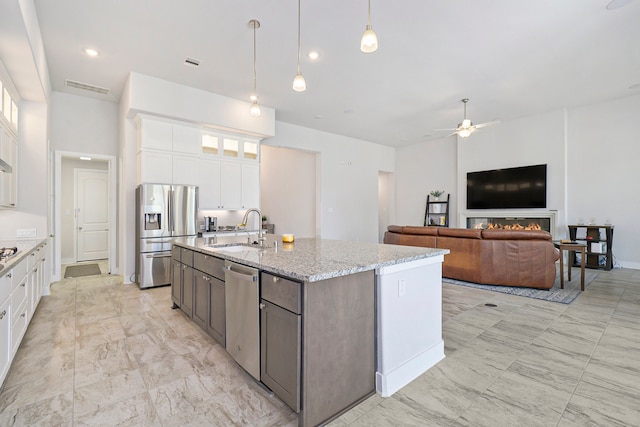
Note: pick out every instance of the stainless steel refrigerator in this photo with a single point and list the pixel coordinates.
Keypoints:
(163, 212)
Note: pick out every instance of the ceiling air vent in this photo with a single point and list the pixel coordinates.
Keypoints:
(190, 62)
(86, 86)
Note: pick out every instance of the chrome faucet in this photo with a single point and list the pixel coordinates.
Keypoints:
(246, 218)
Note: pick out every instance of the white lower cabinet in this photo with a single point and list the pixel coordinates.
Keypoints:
(22, 287)
(5, 338)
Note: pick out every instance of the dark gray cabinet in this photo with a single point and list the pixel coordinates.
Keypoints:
(182, 277)
(186, 304)
(176, 282)
(216, 325)
(201, 299)
(280, 335)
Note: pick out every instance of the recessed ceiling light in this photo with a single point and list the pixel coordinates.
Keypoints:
(91, 52)
(313, 55)
(635, 86)
(317, 117)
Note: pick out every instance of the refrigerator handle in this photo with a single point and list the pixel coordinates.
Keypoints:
(170, 210)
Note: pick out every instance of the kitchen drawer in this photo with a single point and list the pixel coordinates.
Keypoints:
(282, 292)
(19, 294)
(176, 251)
(209, 264)
(186, 256)
(18, 326)
(5, 285)
(18, 273)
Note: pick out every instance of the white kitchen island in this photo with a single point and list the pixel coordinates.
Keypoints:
(371, 314)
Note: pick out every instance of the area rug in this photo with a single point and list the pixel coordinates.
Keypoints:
(81, 270)
(555, 294)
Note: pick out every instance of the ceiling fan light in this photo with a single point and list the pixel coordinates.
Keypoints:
(369, 41)
(255, 110)
(299, 85)
(464, 133)
(466, 123)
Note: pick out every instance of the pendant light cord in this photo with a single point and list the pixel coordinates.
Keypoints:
(369, 16)
(255, 74)
(298, 36)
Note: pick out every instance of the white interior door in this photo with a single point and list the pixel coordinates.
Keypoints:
(92, 215)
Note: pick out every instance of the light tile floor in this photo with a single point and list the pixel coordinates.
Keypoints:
(98, 352)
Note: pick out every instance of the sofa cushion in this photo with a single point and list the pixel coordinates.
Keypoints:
(460, 232)
(412, 229)
(516, 235)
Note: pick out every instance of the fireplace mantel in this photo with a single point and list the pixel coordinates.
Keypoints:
(509, 214)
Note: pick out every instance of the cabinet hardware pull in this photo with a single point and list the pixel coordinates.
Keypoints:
(276, 279)
(23, 314)
(4, 313)
(9, 276)
(262, 306)
(22, 284)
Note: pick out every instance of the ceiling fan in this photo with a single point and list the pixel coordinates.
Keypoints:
(466, 127)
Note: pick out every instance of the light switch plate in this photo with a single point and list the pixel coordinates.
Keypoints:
(23, 233)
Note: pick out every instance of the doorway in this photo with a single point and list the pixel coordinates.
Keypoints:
(84, 211)
(91, 214)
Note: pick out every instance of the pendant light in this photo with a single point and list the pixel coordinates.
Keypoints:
(369, 41)
(255, 110)
(299, 85)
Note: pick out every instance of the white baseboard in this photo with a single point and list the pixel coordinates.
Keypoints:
(389, 383)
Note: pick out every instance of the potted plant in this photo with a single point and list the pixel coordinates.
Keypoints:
(437, 207)
(264, 220)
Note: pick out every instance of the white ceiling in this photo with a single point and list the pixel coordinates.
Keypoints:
(512, 58)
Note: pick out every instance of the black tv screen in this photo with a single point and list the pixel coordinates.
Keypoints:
(511, 188)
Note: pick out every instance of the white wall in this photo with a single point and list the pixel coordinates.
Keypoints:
(603, 170)
(288, 190)
(83, 125)
(421, 169)
(591, 154)
(347, 179)
(67, 217)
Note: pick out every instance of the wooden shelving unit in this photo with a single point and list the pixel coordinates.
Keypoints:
(436, 213)
(593, 234)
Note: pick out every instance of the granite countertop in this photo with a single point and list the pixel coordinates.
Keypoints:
(25, 247)
(310, 259)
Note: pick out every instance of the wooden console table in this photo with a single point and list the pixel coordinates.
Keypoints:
(571, 248)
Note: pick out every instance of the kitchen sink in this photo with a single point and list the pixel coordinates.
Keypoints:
(237, 248)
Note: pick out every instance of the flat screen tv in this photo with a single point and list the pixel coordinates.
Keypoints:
(510, 188)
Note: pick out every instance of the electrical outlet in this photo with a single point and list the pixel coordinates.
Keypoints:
(24, 233)
(402, 288)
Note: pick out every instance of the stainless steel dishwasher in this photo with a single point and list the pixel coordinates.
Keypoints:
(242, 316)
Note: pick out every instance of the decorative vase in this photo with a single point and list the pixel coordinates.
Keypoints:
(437, 208)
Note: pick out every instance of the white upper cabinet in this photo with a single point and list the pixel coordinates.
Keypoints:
(224, 166)
(8, 180)
(186, 140)
(250, 186)
(155, 135)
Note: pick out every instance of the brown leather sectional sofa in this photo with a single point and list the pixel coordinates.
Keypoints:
(492, 257)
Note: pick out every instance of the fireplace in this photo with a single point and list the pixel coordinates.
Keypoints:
(511, 220)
